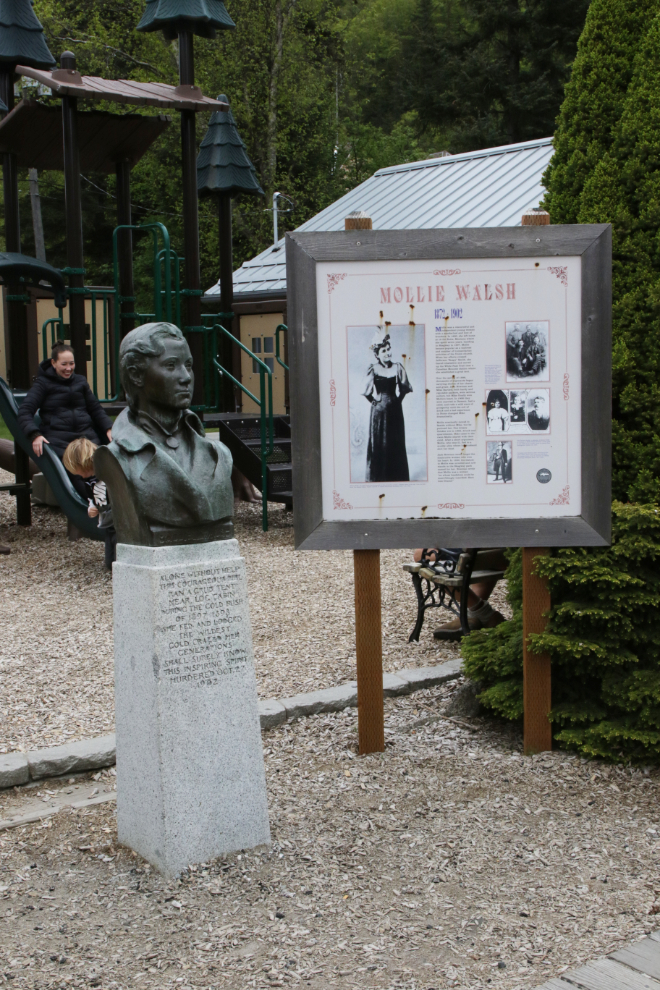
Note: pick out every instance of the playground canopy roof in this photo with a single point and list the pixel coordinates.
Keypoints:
(488, 188)
(21, 268)
(33, 132)
(223, 165)
(69, 82)
(201, 17)
(22, 36)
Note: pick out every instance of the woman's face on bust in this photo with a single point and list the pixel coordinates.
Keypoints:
(168, 378)
(384, 355)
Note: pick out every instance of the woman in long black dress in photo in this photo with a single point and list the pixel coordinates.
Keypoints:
(386, 387)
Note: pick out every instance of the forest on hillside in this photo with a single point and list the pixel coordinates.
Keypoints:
(324, 92)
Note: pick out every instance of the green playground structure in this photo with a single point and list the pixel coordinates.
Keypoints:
(115, 142)
(166, 304)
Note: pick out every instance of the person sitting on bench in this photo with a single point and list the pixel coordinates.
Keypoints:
(481, 614)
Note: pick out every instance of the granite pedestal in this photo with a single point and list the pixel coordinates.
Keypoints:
(190, 772)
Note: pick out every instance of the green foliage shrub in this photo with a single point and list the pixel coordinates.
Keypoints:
(603, 637)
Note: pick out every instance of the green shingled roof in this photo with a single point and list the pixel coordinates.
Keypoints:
(22, 39)
(202, 17)
(222, 164)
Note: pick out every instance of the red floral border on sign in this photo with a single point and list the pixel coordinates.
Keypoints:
(564, 497)
(334, 280)
(339, 503)
(561, 271)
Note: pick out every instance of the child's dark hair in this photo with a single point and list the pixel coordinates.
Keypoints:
(59, 347)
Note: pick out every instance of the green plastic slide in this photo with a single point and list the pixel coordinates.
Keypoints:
(52, 468)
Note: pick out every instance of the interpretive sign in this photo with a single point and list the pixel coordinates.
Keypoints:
(451, 387)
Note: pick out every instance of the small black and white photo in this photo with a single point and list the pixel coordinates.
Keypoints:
(387, 403)
(518, 403)
(538, 410)
(527, 353)
(498, 419)
(499, 469)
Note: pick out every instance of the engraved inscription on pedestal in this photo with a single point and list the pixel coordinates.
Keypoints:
(202, 636)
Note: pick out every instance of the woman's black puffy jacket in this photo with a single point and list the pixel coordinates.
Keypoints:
(68, 409)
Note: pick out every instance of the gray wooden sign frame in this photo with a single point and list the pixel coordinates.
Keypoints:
(592, 243)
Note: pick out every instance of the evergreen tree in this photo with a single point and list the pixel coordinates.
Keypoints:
(603, 634)
(624, 189)
(603, 637)
(475, 72)
(506, 78)
(594, 98)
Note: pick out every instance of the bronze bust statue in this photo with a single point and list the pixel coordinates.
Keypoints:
(168, 483)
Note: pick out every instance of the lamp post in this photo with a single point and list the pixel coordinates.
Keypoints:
(182, 19)
(224, 171)
(74, 230)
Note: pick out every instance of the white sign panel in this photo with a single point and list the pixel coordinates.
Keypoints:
(450, 389)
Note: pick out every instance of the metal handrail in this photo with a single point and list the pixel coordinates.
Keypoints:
(266, 415)
(166, 253)
(173, 256)
(44, 330)
(105, 295)
(283, 327)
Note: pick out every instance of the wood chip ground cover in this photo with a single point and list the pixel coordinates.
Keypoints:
(56, 662)
(448, 861)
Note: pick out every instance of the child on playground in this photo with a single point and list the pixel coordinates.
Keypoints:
(78, 459)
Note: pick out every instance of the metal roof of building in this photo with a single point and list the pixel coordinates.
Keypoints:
(489, 188)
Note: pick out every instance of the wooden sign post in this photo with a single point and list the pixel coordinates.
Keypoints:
(537, 678)
(369, 651)
(368, 632)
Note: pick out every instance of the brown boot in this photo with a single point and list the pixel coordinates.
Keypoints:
(452, 630)
(4, 548)
(496, 619)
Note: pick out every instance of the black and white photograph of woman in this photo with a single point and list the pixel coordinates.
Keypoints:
(386, 387)
(497, 416)
(499, 464)
(517, 410)
(527, 351)
(387, 403)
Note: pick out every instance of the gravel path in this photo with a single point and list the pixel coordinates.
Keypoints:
(447, 861)
(56, 662)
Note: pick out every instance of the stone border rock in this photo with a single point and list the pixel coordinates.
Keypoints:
(99, 752)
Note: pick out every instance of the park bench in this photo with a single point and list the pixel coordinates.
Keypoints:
(437, 581)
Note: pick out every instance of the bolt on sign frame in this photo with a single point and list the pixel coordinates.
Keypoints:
(347, 287)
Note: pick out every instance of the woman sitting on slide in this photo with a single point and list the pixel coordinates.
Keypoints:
(67, 406)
